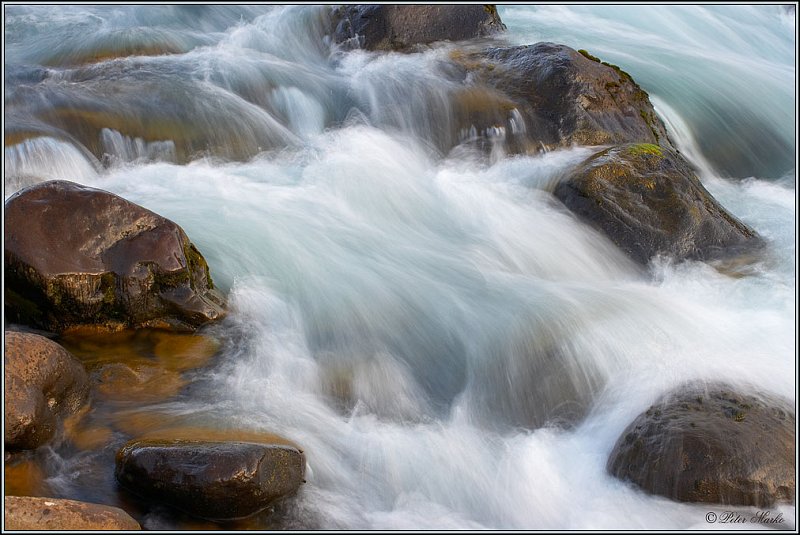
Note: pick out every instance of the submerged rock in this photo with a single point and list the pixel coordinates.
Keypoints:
(208, 478)
(648, 201)
(141, 109)
(567, 97)
(399, 27)
(532, 378)
(711, 444)
(76, 256)
(141, 365)
(51, 514)
(43, 382)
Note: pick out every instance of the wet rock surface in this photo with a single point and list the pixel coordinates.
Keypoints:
(43, 382)
(210, 479)
(35, 513)
(712, 444)
(76, 255)
(567, 97)
(399, 27)
(648, 201)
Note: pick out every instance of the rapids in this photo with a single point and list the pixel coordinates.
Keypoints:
(396, 293)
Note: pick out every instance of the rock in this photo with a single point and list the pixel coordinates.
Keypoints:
(711, 444)
(399, 27)
(566, 97)
(76, 255)
(648, 201)
(50, 514)
(208, 478)
(43, 382)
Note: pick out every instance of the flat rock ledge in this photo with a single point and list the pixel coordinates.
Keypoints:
(51, 514)
(210, 479)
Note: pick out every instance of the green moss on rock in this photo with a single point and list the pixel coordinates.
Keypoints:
(641, 149)
(587, 55)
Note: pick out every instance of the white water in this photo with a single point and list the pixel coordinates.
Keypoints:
(393, 309)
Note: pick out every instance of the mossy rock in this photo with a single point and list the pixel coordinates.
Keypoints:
(713, 444)
(77, 256)
(567, 97)
(648, 201)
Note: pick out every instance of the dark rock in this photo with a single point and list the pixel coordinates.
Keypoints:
(399, 27)
(648, 201)
(566, 97)
(76, 256)
(208, 478)
(43, 382)
(51, 514)
(711, 444)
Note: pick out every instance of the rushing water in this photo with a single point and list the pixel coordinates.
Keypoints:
(402, 306)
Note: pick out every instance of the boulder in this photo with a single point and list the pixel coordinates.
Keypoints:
(77, 256)
(400, 27)
(712, 444)
(648, 201)
(51, 514)
(43, 382)
(210, 479)
(565, 97)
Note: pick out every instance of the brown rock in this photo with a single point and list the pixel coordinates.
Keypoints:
(648, 201)
(565, 97)
(399, 27)
(711, 444)
(210, 479)
(43, 381)
(76, 255)
(50, 514)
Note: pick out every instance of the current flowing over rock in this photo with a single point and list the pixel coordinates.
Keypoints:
(649, 202)
(457, 261)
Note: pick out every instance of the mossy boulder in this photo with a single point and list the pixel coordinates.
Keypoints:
(648, 200)
(400, 27)
(712, 444)
(566, 97)
(43, 382)
(52, 514)
(77, 256)
(210, 479)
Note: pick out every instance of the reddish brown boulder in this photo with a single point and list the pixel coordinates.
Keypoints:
(43, 382)
(76, 255)
(51, 514)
